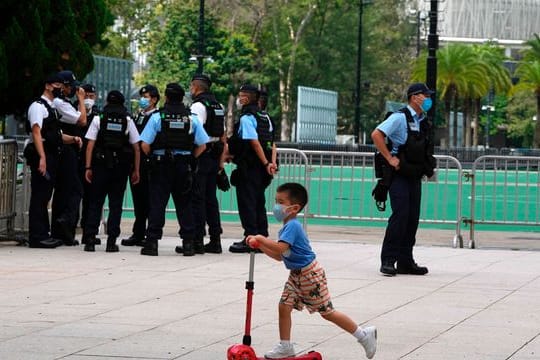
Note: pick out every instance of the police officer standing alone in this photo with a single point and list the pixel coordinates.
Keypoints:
(113, 150)
(254, 153)
(205, 203)
(140, 192)
(68, 188)
(173, 139)
(42, 155)
(409, 155)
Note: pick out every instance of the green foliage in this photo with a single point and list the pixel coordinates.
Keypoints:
(42, 37)
(520, 112)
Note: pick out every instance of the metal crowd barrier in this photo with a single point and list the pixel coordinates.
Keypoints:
(342, 182)
(8, 183)
(505, 190)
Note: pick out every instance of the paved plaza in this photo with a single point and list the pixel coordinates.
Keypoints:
(68, 304)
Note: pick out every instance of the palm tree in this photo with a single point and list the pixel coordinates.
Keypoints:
(528, 72)
(460, 72)
(529, 80)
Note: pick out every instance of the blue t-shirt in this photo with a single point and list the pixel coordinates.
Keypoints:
(300, 253)
(154, 126)
(395, 127)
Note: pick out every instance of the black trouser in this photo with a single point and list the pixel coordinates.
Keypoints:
(41, 189)
(140, 194)
(106, 182)
(67, 193)
(400, 236)
(252, 182)
(85, 185)
(170, 177)
(205, 203)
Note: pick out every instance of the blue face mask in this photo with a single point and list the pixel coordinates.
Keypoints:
(279, 212)
(426, 104)
(144, 103)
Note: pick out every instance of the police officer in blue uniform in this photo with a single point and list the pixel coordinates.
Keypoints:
(173, 139)
(68, 188)
(205, 203)
(148, 105)
(254, 153)
(42, 155)
(409, 154)
(112, 153)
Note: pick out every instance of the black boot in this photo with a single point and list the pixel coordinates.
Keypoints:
(150, 248)
(187, 248)
(133, 241)
(111, 245)
(198, 245)
(97, 241)
(214, 246)
(89, 243)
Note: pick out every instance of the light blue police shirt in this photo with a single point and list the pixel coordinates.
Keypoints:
(248, 127)
(395, 127)
(154, 126)
(300, 253)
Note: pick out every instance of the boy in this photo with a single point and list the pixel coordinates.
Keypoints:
(306, 285)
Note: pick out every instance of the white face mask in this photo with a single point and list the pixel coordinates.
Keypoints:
(88, 103)
(238, 104)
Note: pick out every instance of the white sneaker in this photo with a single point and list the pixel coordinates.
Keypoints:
(369, 341)
(280, 351)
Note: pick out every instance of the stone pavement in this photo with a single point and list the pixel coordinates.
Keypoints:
(68, 304)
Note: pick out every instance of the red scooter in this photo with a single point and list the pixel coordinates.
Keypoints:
(244, 351)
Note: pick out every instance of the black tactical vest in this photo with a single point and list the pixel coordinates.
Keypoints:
(175, 129)
(416, 145)
(215, 114)
(142, 119)
(50, 128)
(240, 148)
(113, 133)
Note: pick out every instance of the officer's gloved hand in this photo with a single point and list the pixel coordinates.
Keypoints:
(222, 180)
(380, 194)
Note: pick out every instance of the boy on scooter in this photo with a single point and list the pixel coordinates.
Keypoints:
(306, 285)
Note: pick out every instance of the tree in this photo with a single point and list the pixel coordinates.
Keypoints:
(45, 36)
(528, 72)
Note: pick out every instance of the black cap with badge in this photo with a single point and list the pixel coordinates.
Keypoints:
(419, 88)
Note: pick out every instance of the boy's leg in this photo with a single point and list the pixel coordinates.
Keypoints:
(285, 321)
(341, 320)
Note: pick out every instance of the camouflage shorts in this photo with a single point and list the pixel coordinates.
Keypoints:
(308, 287)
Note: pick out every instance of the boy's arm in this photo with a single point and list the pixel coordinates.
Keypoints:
(272, 248)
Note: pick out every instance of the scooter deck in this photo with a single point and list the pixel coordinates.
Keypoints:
(312, 355)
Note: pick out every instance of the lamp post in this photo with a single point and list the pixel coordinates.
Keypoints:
(358, 71)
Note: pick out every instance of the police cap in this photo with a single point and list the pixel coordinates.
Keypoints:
(89, 88)
(419, 88)
(115, 97)
(53, 78)
(202, 77)
(68, 78)
(174, 92)
(151, 90)
(248, 88)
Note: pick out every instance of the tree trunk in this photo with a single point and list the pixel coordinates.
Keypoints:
(286, 78)
(467, 127)
(230, 115)
(476, 122)
(536, 140)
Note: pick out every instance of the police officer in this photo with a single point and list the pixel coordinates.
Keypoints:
(148, 105)
(90, 97)
(205, 204)
(254, 153)
(42, 155)
(173, 139)
(409, 155)
(112, 152)
(68, 191)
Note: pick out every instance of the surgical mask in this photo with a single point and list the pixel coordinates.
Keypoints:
(57, 92)
(426, 104)
(89, 103)
(280, 212)
(189, 96)
(238, 104)
(144, 103)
